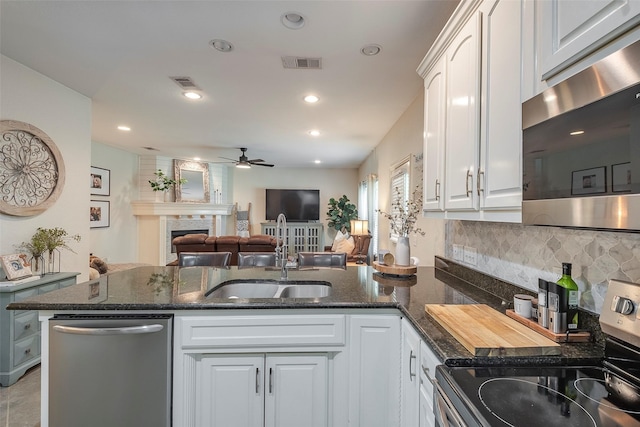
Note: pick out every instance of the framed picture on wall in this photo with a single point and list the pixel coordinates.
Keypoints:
(100, 181)
(589, 181)
(99, 213)
(621, 177)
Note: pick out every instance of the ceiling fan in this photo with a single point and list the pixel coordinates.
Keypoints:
(244, 162)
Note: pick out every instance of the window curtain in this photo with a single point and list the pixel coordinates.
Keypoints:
(400, 180)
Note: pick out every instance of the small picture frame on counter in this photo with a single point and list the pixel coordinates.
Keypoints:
(15, 266)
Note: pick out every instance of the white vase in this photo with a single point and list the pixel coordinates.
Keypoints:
(403, 253)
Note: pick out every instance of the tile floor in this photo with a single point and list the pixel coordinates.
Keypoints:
(20, 402)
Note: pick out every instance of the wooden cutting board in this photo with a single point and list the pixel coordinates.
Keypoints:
(486, 332)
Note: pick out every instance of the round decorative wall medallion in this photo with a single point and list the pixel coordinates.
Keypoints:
(31, 169)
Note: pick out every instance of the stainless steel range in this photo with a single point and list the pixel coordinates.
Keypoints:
(607, 395)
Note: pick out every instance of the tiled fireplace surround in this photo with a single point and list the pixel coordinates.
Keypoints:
(522, 254)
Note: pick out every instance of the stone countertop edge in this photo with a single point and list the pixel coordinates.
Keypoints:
(446, 347)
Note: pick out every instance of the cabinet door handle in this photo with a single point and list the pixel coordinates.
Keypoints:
(270, 380)
(437, 189)
(257, 380)
(469, 175)
(411, 371)
(478, 186)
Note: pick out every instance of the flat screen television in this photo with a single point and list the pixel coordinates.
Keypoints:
(296, 205)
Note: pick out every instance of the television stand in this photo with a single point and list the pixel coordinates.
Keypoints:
(302, 236)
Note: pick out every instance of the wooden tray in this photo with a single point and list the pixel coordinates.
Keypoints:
(572, 337)
(487, 332)
(398, 270)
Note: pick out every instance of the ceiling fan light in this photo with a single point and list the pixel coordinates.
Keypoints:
(243, 165)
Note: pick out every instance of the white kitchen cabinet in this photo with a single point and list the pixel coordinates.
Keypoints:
(478, 57)
(462, 114)
(271, 390)
(427, 371)
(410, 377)
(434, 136)
(569, 30)
(261, 369)
(418, 368)
(374, 371)
(499, 180)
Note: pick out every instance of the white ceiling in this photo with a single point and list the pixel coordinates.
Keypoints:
(121, 54)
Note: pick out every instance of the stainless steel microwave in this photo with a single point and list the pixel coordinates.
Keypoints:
(581, 148)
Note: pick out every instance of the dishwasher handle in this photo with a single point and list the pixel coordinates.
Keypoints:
(126, 330)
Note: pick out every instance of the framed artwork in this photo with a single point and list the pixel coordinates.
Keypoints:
(100, 181)
(621, 177)
(15, 266)
(589, 181)
(99, 213)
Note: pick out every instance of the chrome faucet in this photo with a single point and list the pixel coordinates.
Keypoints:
(281, 245)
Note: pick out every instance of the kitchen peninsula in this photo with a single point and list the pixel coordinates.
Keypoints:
(357, 335)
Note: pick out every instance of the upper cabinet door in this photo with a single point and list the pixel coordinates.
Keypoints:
(434, 137)
(572, 29)
(462, 131)
(499, 182)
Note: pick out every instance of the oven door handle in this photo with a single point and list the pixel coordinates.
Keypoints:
(445, 412)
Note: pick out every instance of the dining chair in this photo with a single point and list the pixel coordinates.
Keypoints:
(204, 259)
(322, 259)
(256, 259)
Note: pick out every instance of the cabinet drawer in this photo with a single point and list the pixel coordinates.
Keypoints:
(26, 350)
(263, 331)
(47, 288)
(25, 324)
(27, 293)
(67, 282)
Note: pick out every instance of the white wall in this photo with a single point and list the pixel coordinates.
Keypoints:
(404, 138)
(65, 116)
(118, 242)
(249, 186)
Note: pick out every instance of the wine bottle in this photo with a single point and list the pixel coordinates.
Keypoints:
(573, 295)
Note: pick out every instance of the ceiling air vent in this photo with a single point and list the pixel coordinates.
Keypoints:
(302, 63)
(185, 83)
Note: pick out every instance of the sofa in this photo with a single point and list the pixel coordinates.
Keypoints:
(233, 244)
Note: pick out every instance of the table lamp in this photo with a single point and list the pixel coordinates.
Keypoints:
(359, 227)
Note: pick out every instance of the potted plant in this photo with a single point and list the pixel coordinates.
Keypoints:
(163, 183)
(49, 240)
(403, 219)
(340, 214)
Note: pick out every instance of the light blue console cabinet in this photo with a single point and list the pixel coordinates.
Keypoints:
(20, 329)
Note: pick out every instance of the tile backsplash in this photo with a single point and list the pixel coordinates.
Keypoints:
(521, 254)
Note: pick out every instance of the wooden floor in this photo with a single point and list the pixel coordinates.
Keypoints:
(20, 402)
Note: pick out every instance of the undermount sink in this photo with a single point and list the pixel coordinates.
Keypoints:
(271, 289)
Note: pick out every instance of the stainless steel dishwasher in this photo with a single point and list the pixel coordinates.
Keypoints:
(110, 370)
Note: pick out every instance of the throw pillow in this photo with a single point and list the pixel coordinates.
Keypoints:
(339, 237)
(99, 265)
(345, 245)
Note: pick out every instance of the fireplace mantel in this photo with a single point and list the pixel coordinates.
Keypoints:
(144, 208)
(153, 217)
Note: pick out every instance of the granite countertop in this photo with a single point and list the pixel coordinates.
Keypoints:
(154, 288)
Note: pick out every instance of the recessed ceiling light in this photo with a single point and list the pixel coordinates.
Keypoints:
(124, 128)
(197, 159)
(192, 95)
(576, 132)
(221, 45)
(314, 132)
(311, 99)
(292, 20)
(371, 49)
(317, 162)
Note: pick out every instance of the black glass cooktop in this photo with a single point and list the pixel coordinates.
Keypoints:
(560, 396)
